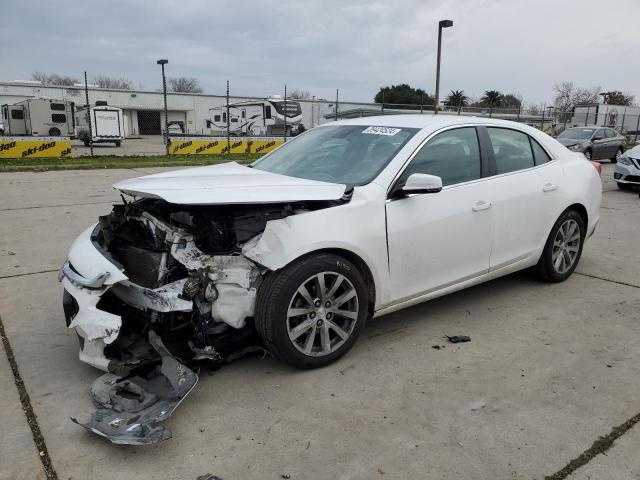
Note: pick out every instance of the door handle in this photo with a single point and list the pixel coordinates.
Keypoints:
(481, 205)
(549, 187)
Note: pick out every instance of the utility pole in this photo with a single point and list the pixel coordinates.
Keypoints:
(86, 96)
(228, 123)
(162, 62)
(284, 111)
(442, 24)
(337, 104)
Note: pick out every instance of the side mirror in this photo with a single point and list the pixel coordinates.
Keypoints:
(421, 183)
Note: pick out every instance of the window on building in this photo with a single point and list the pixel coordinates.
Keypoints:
(267, 111)
(511, 149)
(17, 115)
(58, 118)
(216, 118)
(57, 106)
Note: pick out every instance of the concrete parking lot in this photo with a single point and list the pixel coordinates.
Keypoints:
(549, 370)
(140, 145)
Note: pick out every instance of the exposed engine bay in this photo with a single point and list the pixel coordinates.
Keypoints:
(187, 301)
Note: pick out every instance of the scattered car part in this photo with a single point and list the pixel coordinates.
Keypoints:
(458, 338)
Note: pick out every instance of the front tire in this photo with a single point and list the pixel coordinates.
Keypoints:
(563, 249)
(587, 154)
(624, 186)
(311, 312)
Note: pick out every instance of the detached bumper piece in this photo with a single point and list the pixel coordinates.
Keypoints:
(129, 407)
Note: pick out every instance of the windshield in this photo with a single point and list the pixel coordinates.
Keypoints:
(349, 154)
(577, 133)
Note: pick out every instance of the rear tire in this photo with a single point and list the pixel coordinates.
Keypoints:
(563, 249)
(617, 156)
(118, 143)
(303, 323)
(54, 132)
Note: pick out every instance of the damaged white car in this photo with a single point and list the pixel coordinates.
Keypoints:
(294, 253)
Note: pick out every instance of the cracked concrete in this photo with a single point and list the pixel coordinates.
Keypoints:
(550, 368)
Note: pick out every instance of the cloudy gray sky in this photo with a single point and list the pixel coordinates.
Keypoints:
(520, 46)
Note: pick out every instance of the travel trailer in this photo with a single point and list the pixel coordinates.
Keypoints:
(256, 117)
(39, 117)
(107, 125)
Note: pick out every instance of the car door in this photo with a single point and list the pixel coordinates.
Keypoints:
(600, 147)
(518, 191)
(439, 239)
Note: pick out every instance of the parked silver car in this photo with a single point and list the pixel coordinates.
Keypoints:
(595, 142)
(627, 171)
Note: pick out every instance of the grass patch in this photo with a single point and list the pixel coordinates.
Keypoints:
(88, 163)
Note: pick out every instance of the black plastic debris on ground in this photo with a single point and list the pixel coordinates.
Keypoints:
(458, 338)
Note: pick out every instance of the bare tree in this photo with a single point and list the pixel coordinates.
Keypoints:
(184, 85)
(54, 79)
(299, 94)
(113, 83)
(567, 96)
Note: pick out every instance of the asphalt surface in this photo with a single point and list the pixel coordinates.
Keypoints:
(549, 370)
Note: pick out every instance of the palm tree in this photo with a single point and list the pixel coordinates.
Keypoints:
(457, 98)
(491, 98)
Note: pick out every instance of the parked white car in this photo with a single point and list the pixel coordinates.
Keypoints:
(293, 254)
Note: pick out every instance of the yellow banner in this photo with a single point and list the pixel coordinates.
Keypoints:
(211, 145)
(31, 147)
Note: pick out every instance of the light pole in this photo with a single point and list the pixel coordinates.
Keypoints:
(442, 24)
(162, 62)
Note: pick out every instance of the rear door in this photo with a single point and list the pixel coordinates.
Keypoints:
(518, 192)
(107, 123)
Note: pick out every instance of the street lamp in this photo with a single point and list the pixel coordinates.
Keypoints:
(162, 62)
(442, 24)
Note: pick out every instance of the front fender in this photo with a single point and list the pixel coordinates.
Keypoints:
(358, 227)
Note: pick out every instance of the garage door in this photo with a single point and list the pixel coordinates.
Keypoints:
(149, 122)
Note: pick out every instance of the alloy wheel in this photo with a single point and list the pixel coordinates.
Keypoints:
(566, 246)
(322, 314)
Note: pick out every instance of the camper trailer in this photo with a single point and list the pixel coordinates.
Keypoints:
(39, 117)
(261, 117)
(107, 125)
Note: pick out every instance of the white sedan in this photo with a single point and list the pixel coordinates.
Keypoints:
(348, 221)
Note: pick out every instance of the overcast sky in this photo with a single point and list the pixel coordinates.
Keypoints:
(519, 46)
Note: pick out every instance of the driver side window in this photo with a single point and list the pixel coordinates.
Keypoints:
(453, 155)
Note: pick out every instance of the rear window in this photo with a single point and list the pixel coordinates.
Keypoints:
(511, 150)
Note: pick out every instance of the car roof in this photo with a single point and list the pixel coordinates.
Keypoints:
(426, 121)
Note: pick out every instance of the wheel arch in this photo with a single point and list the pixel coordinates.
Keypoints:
(582, 211)
(362, 266)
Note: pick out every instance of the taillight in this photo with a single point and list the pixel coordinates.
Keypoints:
(598, 167)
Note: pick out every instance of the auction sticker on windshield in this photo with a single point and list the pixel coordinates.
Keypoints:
(381, 130)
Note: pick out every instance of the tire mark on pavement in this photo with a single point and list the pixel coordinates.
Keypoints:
(607, 280)
(28, 273)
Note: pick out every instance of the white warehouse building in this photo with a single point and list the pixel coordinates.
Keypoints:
(144, 110)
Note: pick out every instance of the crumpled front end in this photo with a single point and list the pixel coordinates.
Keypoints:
(154, 289)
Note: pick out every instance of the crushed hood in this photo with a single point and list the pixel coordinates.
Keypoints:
(228, 183)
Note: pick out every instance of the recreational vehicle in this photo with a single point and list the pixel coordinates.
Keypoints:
(40, 117)
(257, 117)
(107, 125)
